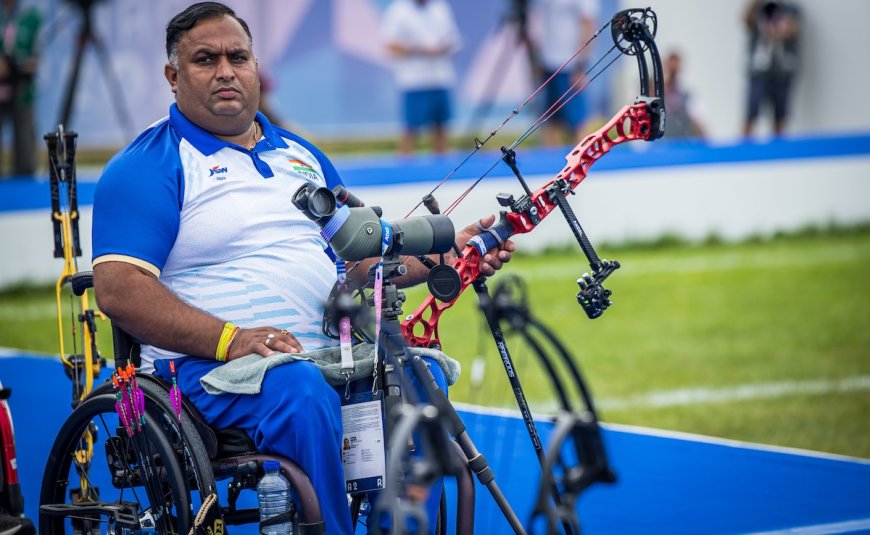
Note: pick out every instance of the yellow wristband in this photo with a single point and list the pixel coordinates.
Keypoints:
(223, 346)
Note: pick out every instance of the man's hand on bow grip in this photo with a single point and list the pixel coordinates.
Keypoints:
(495, 257)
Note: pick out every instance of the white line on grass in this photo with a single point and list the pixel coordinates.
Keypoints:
(710, 262)
(28, 312)
(13, 352)
(696, 396)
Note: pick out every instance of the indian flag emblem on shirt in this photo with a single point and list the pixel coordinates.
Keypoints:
(304, 169)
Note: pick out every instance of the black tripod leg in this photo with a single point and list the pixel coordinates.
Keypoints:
(72, 84)
(87, 35)
(516, 24)
(493, 85)
(117, 95)
(456, 427)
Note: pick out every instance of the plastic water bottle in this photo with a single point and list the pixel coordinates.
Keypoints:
(273, 492)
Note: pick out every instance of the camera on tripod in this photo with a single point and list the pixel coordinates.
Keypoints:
(356, 232)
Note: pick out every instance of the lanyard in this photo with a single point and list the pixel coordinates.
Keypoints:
(344, 326)
(386, 239)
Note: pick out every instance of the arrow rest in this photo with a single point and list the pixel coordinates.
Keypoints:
(592, 297)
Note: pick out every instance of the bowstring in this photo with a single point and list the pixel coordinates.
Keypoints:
(537, 123)
(478, 144)
(576, 88)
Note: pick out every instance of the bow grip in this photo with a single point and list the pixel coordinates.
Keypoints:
(493, 236)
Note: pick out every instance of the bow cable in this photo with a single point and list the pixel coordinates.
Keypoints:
(575, 89)
(566, 97)
(478, 144)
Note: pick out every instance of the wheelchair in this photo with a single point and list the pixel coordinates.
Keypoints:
(100, 479)
(174, 481)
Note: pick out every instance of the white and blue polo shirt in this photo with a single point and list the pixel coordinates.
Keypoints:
(214, 221)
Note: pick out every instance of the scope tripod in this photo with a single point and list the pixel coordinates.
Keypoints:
(515, 22)
(563, 478)
(393, 361)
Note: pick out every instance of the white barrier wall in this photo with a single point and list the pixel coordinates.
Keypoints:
(731, 200)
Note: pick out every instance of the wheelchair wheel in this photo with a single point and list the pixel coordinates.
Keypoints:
(100, 480)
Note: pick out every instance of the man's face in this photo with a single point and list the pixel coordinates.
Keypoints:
(216, 83)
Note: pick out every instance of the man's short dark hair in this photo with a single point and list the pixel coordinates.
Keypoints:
(190, 17)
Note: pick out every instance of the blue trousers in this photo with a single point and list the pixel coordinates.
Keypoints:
(297, 415)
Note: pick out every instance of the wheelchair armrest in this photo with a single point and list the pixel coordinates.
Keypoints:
(126, 347)
(81, 281)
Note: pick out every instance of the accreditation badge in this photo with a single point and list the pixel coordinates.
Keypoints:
(363, 448)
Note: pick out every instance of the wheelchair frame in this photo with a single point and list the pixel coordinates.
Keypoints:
(190, 457)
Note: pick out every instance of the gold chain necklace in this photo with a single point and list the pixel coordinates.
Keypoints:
(256, 136)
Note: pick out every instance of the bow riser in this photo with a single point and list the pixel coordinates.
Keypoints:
(426, 316)
(632, 123)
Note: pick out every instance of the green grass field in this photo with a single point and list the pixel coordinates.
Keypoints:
(766, 341)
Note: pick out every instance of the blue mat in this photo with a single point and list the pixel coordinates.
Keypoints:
(667, 484)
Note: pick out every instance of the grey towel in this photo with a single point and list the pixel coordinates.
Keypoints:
(245, 375)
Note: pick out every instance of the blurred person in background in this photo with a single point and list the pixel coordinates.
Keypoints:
(19, 32)
(565, 25)
(422, 37)
(774, 28)
(682, 111)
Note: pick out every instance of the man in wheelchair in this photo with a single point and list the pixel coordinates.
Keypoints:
(200, 256)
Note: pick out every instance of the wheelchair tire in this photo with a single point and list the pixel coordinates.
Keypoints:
(180, 468)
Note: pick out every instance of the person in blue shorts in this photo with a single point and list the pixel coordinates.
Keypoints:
(421, 36)
(774, 31)
(566, 26)
(200, 255)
